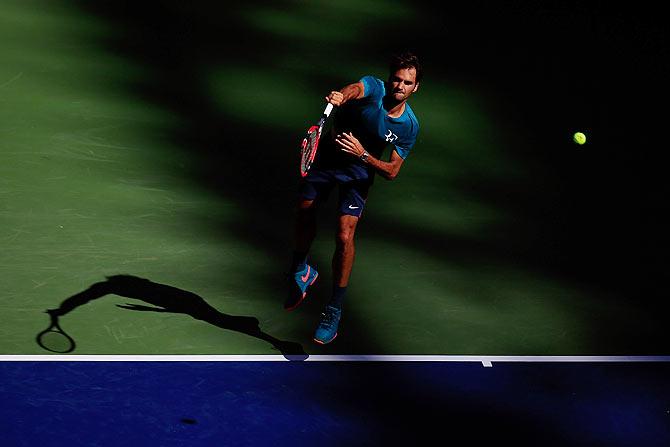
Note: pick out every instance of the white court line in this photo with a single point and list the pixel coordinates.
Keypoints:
(485, 360)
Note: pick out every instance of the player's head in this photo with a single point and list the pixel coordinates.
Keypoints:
(404, 76)
(406, 60)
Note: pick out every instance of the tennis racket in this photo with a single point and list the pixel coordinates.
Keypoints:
(311, 142)
(53, 338)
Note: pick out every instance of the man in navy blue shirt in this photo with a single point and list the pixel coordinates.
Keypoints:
(372, 115)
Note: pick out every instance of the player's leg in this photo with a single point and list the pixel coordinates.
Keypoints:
(314, 189)
(343, 261)
(345, 251)
(352, 202)
(301, 274)
(305, 231)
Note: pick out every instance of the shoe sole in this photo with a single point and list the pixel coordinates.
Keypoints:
(321, 342)
(304, 295)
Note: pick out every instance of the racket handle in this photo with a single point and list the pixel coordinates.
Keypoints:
(329, 108)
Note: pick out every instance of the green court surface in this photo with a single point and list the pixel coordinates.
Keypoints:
(161, 143)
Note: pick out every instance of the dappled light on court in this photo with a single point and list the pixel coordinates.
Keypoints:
(324, 22)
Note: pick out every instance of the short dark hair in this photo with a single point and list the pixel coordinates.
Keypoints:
(406, 60)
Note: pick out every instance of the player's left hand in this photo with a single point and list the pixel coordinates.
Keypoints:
(350, 144)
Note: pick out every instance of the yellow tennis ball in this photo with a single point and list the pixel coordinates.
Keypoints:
(579, 138)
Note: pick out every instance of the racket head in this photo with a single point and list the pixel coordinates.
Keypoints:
(308, 149)
(54, 339)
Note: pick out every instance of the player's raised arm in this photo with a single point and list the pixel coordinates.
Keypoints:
(351, 91)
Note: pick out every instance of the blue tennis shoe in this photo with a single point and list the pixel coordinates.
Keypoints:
(298, 286)
(327, 329)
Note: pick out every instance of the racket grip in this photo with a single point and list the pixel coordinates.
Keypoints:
(329, 108)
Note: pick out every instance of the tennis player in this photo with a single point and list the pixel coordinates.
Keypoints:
(371, 116)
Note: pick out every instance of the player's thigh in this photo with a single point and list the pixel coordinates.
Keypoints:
(353, 196)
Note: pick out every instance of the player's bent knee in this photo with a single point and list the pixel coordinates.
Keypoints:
(344, 238)
(345, 234)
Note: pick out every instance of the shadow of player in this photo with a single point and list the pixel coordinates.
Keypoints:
(164, 298)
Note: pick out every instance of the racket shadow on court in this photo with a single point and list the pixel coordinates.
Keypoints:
(163, 299)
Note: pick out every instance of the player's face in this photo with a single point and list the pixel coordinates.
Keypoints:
(403, 83)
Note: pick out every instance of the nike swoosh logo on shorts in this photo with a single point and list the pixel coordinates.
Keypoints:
(353, 207)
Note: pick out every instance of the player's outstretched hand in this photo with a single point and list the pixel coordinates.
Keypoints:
(350, 144)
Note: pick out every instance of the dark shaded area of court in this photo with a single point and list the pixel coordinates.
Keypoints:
(589, 216)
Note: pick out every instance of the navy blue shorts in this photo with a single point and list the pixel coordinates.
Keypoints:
(320, 182)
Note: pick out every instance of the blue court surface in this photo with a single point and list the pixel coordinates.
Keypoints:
(239, 403)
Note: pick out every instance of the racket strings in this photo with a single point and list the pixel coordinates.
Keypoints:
(308, 147)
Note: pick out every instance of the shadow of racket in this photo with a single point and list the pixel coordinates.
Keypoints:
(54, 338)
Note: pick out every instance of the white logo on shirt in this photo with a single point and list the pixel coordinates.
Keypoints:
(391, 137)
